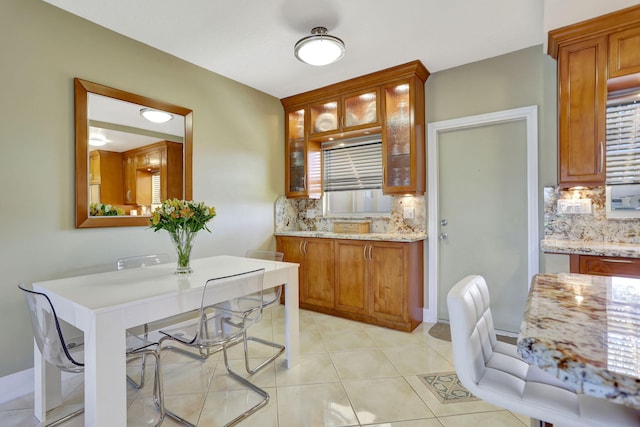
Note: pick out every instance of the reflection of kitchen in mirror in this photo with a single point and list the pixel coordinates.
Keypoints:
(134, 162)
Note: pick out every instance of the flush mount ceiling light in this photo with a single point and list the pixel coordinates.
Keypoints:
(97, 140)
(319, 48)
(155, 116)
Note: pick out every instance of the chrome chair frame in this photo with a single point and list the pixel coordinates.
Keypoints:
(271, 256)
(67, 347)
(221, 327)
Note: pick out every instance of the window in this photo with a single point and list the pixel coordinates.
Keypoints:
(623, 155)
(352, 177)
(623, 139)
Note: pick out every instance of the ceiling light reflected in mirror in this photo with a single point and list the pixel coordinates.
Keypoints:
(155, 116)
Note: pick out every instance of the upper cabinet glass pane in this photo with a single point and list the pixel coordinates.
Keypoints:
(361, 109)
(324, 117)
(398, 120)
(296, 124)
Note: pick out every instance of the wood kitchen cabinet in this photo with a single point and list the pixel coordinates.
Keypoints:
(389, 103)
(582, 89)
(605, 266)
(380, 281)
(403, 145)
(302, 161)
(624, 52)
(105, 176)
(356, 110)
(594, 57)
(316, 272)
(376, 282)
(162, 159)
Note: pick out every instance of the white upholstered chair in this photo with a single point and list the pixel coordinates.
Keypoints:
(493, 371)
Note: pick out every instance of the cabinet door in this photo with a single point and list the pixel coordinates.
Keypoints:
(317, 287)
(351, 275)
(624, 52)
(129, 164)
(291, 247)
(295, 153)
(360, 110)
(403, 151)
(388, 269)
(324, 117)
(582, 69)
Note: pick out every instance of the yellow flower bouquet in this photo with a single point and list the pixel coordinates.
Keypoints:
(182, 219)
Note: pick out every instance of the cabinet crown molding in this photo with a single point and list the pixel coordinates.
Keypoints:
(598, 26)
(410, 69)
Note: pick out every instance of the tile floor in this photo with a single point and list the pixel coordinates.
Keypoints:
(351, 374)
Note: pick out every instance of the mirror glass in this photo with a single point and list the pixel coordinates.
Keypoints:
(128, 163)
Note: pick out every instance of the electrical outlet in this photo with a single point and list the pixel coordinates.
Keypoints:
(408, 213)
(574, 206)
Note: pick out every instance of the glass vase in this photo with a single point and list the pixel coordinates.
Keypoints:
(183, 241)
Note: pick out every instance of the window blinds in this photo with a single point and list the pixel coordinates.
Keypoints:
(352, 166)
(623, 143)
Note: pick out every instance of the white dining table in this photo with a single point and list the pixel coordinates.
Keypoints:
(105, 305)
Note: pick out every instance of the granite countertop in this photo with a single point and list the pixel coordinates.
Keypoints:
(389, 237)
(583, 247)
(585, 330)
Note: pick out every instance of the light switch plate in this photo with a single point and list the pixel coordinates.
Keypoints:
(574, 206)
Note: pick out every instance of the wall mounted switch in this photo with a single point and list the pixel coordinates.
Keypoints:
(574, 206)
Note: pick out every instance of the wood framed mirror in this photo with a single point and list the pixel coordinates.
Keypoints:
(125, 164)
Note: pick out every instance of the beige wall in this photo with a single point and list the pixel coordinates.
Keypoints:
(521, 78)
(237, 159)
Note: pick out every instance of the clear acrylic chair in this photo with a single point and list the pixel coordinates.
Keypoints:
(67, 354)
(141, 261)
(270, 297)
(222, 325)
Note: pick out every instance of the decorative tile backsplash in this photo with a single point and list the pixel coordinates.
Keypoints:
(291, 215)
(593, 227)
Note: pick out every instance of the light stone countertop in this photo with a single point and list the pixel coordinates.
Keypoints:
(583, 247)
(388, 237)
(585, 330)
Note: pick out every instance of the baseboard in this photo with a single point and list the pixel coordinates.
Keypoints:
(429, 316)
(16, 385)
(21, 384)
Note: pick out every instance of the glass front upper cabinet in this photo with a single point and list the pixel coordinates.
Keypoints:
(349, 112)
(296, 152)
(400, 146)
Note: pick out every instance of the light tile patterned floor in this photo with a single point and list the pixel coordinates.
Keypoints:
(350, 374)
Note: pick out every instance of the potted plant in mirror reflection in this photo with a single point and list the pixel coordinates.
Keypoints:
(182, 219)
(100, 209)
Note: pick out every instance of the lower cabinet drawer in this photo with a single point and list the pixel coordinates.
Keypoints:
(605, 266)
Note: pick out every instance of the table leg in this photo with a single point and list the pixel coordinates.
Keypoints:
(47, 385)
(291, 298)
(105, 372)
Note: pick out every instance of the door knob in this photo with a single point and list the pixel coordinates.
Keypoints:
(444, 236)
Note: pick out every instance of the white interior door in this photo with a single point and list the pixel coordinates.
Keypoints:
(483, 184)
(483, 215)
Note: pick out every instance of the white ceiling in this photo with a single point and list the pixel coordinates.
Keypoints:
(252, 41)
